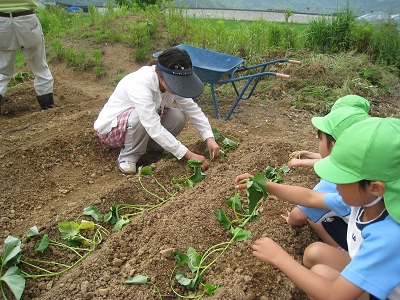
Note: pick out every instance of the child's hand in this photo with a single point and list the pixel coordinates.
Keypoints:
(303, 159)
(295, 162)
(304, 154)
(241, 181)
(267, 250)
(286, 218)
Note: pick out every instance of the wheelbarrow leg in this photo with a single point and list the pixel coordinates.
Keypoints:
(216, 105)
(238, 98)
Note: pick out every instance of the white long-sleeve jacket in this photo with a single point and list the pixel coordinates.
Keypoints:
(140, 90)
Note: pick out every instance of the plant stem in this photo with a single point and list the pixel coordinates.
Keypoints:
(158, 290)
(150, 193)
(168, 192)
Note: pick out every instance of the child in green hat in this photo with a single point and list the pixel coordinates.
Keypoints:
(365, 165)
(330, 226)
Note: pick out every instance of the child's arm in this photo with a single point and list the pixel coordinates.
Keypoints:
(315, 285)
(296, 162)
(297, 195)
(293, 194)
(305, 154)
(303, 159)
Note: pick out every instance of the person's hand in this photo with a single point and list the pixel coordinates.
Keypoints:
(267, 250)
(286, 218)
(190, 155)
(305, 154)
(303, 159)
(213, 148)
(307, 162)
(241, 181)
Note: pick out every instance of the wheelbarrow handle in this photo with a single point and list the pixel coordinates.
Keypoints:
(297, 62)
(282, 75)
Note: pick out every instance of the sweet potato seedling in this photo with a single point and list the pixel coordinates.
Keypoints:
(20, 78)
(196, 263)
(114, 216)
(190, 179)
(15, 276)
(225, 142)
(77, 243)
(274, 174)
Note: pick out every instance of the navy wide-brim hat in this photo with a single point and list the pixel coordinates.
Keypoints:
(184, 83)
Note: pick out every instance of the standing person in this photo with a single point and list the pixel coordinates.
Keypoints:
(20, 29)
(139, 116)
(365, 165)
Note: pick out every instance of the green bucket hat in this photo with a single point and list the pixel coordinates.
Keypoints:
(339, 120)
(367, 150)
(353, 101)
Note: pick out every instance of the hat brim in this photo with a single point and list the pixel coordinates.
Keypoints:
(327, 169)
(318, 123)
(330, 171)
(188, 86)
(391, 198)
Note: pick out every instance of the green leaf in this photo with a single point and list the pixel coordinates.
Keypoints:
(195, 163)
(197, 176)
(256, 189)
(254, 196)
(43, 244)
(15, 281)
(216, 133)
(222, 153)
(210, 289)
(112, 217)
(194, 259)
(277, 178)
(180, 258)
(33, 231)
(190, 284)
(183, 280)
(68, 230)
(241, 234)
(147, 170)
(189, 183)
(229, 142)
(93, 212)
(77, 241)
(235, 203)
(260, 183)
(269, 172)
(86, 225)
(137, 279)
(12, 251)
(120, 224)
(222, 218)
(285, 169)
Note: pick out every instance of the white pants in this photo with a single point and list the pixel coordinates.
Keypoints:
(137, 141)
(24, 33)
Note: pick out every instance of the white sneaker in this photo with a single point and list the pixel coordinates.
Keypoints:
(127, 167)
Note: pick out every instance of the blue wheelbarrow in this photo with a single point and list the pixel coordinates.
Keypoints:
(216, 68)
